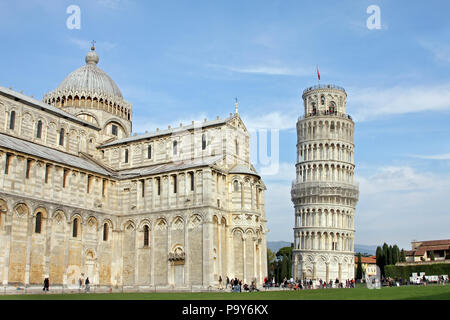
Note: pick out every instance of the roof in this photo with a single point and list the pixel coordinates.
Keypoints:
(167, 132)
(43, 106)
(368, 260)
(90, 79)
(409, 252)
(170, 166)
(433, 242)
(243, 169)
(421, 250)
(44, 152)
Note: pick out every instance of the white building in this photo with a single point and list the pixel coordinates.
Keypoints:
(324, 193)
(81, 197)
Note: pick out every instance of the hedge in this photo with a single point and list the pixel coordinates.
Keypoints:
(404, 272)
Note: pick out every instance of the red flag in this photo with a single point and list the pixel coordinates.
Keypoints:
(318, 73)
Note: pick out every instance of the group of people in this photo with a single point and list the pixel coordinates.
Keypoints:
(308, 284)
(86, 283)
(396, 282)
(236, 285)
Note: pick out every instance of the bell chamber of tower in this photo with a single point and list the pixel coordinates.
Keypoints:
(324, 193)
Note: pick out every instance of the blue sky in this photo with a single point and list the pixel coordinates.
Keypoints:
(178, 61)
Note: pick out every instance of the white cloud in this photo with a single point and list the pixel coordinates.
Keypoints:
(142, 124)
(273, 120)
(265, 69)
(440, 50)
(279, 212)
(396, 205)
(399, 203)
(445, 156)
(286, 174)
(396, 179)
(372, 103)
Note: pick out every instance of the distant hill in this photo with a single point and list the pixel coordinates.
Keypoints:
(365, 249)
(274, 246)
(277, 245)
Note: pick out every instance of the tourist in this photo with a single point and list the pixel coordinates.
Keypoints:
(46, 285)
(86, 283)
(220, 283)
(228, 282)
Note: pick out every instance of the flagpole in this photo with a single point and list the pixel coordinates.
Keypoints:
(318, 77)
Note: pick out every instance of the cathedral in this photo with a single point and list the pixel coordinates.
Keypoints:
(81, 197)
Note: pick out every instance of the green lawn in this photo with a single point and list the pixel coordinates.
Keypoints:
(433, 292)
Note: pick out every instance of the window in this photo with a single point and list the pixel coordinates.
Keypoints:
(75, 228)
(27, 172)
(47, 172)
(257, 198)
(8, 158)
(39, 129)
(38, 223)
(89, 180)
(12, 120)
(322, 99)
(146, 236)
(114, 130)
(203, 142)
(237, 147)
(191, 175)
(242, 195)
(175, 144)
(126, 155)
(149, 152)
(105, 232)
(332, 107)
(65, 173)
(61, 137)
(143, 188)
(174, 177)
(236, 186)
(158, 182)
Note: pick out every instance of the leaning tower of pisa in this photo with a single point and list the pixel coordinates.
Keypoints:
(324, 193)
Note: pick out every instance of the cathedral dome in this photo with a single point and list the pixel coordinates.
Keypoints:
(89, 87)
(90, 80)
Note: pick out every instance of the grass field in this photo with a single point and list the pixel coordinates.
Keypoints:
(434, 292)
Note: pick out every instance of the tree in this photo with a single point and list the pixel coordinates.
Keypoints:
(271, 259)
(390, 256)
(277, 272)
(284, 268)
(289, 267)
(403, 256)
(285, 251)
(380, 259)
(395, 254)
(284, 255)
(359, 270)
(432, 255)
